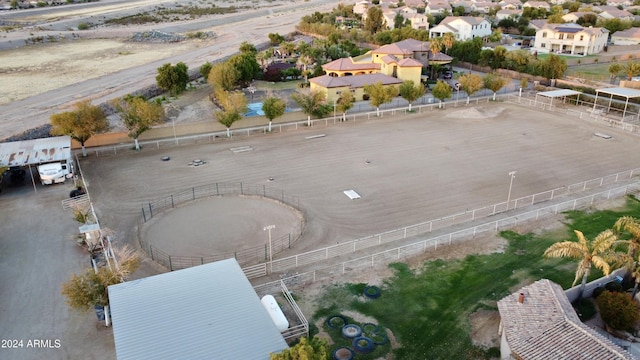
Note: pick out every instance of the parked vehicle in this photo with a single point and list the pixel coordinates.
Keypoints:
(54, 173)
(448, 74)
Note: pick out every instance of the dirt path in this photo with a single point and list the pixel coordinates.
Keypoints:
(44, 79)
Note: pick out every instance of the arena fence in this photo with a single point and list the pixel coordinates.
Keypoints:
(363, 263)
(245, 256)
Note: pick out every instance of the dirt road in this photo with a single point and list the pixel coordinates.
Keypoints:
(100, 64)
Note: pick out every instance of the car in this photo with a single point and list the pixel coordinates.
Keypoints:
(448, 74)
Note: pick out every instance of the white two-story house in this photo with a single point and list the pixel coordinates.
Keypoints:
(462, 27)
(570, 39)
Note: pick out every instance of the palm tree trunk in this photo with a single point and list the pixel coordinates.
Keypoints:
(583, 285)
(635, 289)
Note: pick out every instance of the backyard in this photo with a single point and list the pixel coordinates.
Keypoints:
(429, 307)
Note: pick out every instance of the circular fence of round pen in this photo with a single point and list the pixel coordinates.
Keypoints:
(214, 222)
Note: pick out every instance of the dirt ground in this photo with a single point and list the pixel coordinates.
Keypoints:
(102, 63)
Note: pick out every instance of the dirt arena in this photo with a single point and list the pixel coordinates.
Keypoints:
(408, 169)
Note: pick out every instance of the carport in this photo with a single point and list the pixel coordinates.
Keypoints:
(209, 311)
(561, 93)
(621, 92)
(35, 152)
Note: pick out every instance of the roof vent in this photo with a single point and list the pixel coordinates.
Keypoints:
(521, 298)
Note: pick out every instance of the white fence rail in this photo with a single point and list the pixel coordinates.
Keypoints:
(294, 262)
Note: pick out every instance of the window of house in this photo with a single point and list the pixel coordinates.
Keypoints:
(569, 36)
(560, 36)
(581, 37)
(544, 34)
(543, 45)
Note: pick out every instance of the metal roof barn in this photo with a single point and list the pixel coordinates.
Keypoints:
(38, 151)
(626, 93)
(209, 311)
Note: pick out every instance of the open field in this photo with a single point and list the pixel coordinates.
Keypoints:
(407, 169)
(420, 167)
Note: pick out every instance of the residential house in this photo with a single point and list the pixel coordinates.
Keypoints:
(611, 12)
(539, 322)
(483, 7)
(418, 21)
(462, 27)
(626, 37)
(437, 7)
(508, 13)
(510, 4)
(574, 16)
(623, 3)
(389, 16)
(389, 3)
(537, 24)
(557, 2)
(389, 64)
(414, 4)
(537, 4)
(570, 39)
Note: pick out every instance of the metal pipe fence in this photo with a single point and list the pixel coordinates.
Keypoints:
(323, 254)
(385, 257)
(243, 256)
(361, 112)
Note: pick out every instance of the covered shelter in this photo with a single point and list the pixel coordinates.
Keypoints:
(626, 93)
(561, 93)
(208, 311)
(20, 154)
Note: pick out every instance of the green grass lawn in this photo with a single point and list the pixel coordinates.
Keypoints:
(428, 308)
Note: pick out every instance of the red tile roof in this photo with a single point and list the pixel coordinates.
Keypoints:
(545, 326)
(354, 81)
(347, 64)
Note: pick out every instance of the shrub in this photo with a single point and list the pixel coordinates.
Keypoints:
(597, 291)
(83, 26)
(618, 310)
(613, 286)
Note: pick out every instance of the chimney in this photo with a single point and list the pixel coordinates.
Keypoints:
(521, 298)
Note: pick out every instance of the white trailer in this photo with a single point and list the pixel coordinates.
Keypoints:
(55, 172)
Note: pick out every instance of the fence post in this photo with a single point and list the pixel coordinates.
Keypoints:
(193, 193)
(170, 265)
(289, 240)
(151, 252)
(172, 201)
(150, 211)
(241, 193)
(201, 260)
(144, 216)
(264, 190)
(217, 190)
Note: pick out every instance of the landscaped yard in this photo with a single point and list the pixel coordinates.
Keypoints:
(427, 308)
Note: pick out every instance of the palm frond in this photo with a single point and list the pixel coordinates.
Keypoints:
(568, 249)
(603, 242)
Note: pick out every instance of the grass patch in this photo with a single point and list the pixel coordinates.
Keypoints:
(428, 309)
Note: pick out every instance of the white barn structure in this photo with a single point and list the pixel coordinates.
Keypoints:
(209, 311)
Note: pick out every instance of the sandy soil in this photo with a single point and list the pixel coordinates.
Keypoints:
(101, 64)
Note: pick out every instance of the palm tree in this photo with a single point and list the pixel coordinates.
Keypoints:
(632, 68)
(596, 252)
(614, 69)
(630, 225)
(448, 40)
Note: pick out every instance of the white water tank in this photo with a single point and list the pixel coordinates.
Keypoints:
(277, 316)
